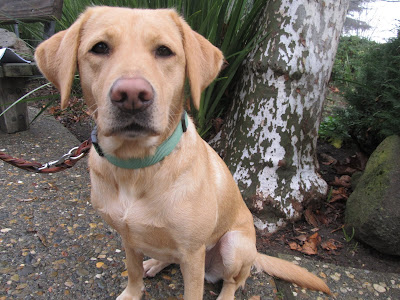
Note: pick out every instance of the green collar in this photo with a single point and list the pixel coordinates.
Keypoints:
(161, 152)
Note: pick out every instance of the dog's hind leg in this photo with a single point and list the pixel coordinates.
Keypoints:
(152, 266)
(231, 260)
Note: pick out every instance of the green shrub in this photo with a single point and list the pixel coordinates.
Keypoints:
(374, 103)
(333, 130)
(349, 59)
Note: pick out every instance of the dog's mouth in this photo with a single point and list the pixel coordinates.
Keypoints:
(133, 130)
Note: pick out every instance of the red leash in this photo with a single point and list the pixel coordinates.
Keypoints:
(66, 161)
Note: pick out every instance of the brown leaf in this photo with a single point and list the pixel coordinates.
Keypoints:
(294, 246)
(310, 217)
(331, 244)
(309, 248)
(301, 238)
(327, 159)
(344, 181)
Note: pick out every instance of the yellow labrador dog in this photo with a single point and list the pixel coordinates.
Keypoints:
(154, 180)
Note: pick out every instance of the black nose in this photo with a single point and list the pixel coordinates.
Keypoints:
(132, 94)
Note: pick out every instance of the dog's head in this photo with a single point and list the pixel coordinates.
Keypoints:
(132, 65)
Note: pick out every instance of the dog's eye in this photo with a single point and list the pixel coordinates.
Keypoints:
(164, 51)
(100, 48)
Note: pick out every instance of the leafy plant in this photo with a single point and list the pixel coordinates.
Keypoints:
(333, 130)
(374, 104)
(370, 77)
(228, 24)
(347, 237)
(349, 60)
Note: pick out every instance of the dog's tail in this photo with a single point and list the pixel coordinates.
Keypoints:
(290, 272)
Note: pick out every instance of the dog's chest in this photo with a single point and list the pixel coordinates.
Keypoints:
(143, 223)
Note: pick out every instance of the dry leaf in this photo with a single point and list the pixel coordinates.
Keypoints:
(294, 246)
(328, 160)
(331, 244)
(301, 238)
(310, 217)
(343, 181)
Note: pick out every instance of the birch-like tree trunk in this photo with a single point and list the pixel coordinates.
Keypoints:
(270, 135)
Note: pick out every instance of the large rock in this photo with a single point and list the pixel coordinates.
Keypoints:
(373, 209)
(10, 40)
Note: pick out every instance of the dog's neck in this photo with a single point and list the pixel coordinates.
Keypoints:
(161, 152)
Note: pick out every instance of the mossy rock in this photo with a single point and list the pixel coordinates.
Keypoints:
(373, 209)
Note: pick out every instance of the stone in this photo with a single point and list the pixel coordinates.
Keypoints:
(373, 209)
(10, 40)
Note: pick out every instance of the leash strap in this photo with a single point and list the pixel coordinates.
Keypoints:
(66, 161)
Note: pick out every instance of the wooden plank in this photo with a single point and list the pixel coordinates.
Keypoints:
(12, 11)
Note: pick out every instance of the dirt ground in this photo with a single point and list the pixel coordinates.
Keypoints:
(322, 226)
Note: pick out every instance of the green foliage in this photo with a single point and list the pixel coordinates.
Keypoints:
(333, 130)
(349, 59)
(348, 237)
(374, 104)
(370, 77)
(228, 24)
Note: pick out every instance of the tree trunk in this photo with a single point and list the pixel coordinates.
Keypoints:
(270, 135)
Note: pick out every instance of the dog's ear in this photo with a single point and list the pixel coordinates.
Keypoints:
(57, 58)
(203, 59)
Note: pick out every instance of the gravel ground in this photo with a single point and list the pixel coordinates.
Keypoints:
(53, 245)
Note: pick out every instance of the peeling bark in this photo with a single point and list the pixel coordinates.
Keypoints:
(270, 135)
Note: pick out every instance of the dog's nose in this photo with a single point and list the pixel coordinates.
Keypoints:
(132, 94)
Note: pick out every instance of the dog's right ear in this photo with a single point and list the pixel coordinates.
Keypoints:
(57, 58)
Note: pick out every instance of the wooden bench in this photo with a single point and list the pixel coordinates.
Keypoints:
(14, 76)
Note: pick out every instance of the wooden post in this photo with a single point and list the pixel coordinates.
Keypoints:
(16, 118)
(13, 79)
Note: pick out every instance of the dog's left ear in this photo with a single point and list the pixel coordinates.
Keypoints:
(57, 58)
(203, 59)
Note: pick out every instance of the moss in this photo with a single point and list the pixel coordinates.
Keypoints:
(373, 184)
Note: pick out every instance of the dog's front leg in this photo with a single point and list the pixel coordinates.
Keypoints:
(134, 263)
(192, 268)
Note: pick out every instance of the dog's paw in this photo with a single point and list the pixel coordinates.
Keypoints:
(152, 266)
(126, 295)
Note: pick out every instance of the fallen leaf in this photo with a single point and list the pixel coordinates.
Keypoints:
(310, 217)
(99, 264)
(327, 159)
(344, 181)
(339, 194)
(331, 244)
(310, 246)
(301, 238)
(124, 273)
(294, 246)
